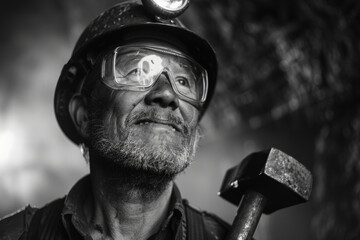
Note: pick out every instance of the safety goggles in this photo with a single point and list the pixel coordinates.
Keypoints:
(137, 68)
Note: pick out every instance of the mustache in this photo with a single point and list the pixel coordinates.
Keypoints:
(170, 117)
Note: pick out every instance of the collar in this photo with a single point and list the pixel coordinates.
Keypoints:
(78, 201)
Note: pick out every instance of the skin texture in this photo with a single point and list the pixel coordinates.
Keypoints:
(132, 165)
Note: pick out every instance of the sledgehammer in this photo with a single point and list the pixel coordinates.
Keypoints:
(263, 182)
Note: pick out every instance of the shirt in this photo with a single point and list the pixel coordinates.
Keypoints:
(73, 215)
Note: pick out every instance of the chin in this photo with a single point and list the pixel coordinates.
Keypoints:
(157, 151)
(158, 156)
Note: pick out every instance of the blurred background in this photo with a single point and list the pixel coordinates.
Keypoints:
(289, 78)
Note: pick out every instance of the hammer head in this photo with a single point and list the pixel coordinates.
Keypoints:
(279, 177)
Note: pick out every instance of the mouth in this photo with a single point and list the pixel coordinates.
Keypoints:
(172, 126)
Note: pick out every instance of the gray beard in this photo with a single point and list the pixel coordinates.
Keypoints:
(130, 151)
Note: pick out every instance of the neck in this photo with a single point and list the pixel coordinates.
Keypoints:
(128, 204)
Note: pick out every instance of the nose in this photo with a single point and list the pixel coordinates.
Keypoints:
(162, 94)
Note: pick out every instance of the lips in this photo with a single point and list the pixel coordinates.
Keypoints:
(146, 121)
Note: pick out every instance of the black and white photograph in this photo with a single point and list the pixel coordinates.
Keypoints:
(179, 120)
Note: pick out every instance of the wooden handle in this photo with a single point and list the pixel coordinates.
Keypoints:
(248, 215)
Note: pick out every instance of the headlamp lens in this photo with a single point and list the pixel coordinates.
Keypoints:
(171, 4)
(166, 9)
(138, 69)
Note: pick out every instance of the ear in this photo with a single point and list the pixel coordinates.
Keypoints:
(79, 114)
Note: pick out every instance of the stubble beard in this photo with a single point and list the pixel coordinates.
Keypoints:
(150, 165)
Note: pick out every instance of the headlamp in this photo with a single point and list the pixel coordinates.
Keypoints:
(166, 9)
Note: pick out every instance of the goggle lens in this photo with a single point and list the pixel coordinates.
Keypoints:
(138, 68)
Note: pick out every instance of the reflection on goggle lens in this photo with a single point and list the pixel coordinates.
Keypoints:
(138, 68)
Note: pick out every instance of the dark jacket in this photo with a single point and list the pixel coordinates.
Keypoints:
(63, 219)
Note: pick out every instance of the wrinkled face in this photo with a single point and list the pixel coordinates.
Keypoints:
(152, 130)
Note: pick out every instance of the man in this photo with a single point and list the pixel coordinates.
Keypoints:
(132, 96)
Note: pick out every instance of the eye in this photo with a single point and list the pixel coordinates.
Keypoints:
(133, 72)
(183, 82)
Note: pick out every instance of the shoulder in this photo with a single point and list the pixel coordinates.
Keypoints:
(216, 225)
(16, 225)
(213, 224)
(13, 226)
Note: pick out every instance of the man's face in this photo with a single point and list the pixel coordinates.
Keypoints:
(152, 130)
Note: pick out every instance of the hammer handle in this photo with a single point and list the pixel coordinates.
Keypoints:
(248, 215)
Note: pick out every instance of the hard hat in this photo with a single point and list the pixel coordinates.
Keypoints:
(126, 21)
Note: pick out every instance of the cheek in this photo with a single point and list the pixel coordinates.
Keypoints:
(190, 114)
(111, 111)
(123, 104)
